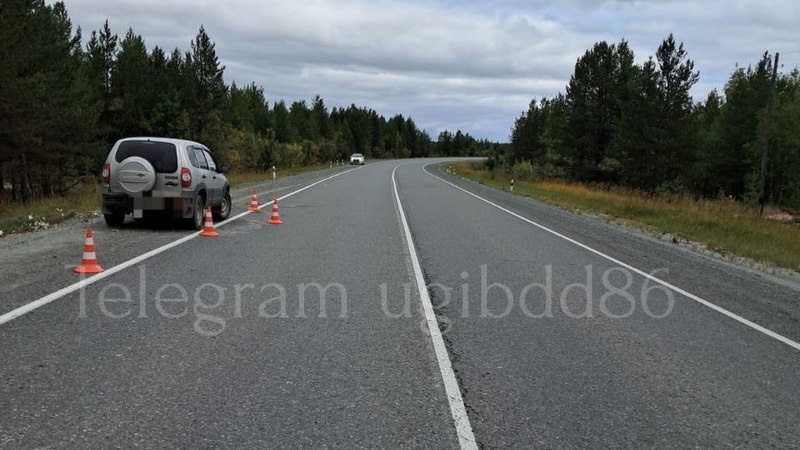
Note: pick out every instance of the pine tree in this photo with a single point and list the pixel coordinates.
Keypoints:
(280, 118)
(210, 87)
(676, 77)
(102, 50)
(319, 118)
(594, 94)
(639, 133)
(134, 84)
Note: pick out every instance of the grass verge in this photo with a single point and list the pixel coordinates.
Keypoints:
(45, 212)
(84, 200)
(724, 226)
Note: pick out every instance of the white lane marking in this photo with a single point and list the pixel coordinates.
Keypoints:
(262, 205)
(466, 438)
(672, 287)
(36, 304)
(250, 196)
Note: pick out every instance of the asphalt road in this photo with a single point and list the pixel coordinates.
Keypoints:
(34, 264)
(313, 334)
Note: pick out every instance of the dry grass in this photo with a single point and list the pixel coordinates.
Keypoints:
(44, 213)
(722, 225)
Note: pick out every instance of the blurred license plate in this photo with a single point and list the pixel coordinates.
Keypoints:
(148, 203)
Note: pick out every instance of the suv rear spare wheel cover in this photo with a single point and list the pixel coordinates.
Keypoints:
(136, 174)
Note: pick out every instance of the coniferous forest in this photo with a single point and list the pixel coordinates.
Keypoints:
(65, 99)
(621, 123)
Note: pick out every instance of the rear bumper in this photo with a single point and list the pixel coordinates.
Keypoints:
(178, 207)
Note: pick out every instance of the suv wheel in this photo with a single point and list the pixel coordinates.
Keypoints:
(115, 219)
(224, 209)
(198, 220)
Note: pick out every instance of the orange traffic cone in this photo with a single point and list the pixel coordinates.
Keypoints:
(208, 230)
(276, 218)
(89, 261)
(254, 204)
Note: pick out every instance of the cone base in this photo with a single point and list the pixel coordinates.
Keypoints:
(209, 233)
(274, 221)
(89, 269)
(255, 210)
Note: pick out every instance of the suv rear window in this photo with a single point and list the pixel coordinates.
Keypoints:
(162, 155)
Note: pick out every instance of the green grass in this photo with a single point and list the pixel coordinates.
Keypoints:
(84, 200)
(725, 226)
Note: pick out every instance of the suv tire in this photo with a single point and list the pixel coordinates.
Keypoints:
(224, 209)
(198, 218)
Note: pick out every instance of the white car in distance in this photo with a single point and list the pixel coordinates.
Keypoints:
(357, 158)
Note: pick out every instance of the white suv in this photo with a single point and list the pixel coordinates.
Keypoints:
(174, 176)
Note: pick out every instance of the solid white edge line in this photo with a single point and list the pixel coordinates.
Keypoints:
(36, 304)
(672, 287)
(466, 438)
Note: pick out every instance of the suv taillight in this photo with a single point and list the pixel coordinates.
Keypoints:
(106, 174)
(186, 177)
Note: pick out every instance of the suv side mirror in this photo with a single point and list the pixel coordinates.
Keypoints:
(224, 169)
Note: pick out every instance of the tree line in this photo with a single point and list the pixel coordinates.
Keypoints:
(636, 125)
(63, 104)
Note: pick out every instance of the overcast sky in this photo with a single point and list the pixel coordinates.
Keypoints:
(472, 65)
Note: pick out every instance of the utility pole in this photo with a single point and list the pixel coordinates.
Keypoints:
(765, 136)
